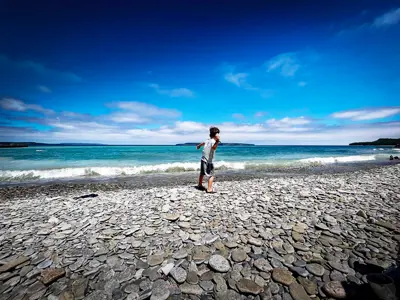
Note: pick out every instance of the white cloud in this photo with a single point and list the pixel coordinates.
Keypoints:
(44, 89)
(238, 116)
(286, 64)
(288, 122)
(302, 83)
(122, 117)
(18, 105)
(146, 110)
(260, 114)
(367, 114)
(388, 19)
(174, 93)
(237, 79)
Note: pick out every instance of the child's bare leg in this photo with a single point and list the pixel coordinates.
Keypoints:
(210, 184)
(201, 180)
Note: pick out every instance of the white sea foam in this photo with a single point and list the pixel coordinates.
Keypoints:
(338, 159)
(76, 172)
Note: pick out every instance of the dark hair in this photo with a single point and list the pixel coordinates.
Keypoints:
(213, 131)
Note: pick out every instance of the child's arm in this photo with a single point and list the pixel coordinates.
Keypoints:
(216, 145)
(200, 145)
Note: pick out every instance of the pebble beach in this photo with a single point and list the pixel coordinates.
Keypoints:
(302, 237)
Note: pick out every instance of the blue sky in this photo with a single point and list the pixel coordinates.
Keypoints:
(293, 72)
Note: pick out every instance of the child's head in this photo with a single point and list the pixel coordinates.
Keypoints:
(213, 132)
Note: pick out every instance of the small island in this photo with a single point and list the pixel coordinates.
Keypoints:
(378, 142)
(222, 144)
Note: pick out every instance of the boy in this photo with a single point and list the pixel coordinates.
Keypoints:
(206, 164)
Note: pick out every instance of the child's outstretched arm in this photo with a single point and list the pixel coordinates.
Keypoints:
(200, 145)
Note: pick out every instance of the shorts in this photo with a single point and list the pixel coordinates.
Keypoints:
(206, 169)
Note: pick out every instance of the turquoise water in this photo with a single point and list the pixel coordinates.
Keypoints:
(20, 164)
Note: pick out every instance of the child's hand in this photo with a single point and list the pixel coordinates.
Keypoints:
(197, 147)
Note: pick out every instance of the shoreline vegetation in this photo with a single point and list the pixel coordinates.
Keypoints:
(378, 142)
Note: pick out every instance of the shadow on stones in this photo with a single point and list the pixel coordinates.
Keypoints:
(364, 291)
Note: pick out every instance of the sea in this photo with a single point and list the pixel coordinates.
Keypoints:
(41, 163)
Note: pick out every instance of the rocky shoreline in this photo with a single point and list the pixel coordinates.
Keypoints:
(302, 237)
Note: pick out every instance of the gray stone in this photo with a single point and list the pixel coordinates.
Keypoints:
(191, 289)
(262, 265)
(219, 263)
(238, 255)
(207, 285)
(192, 277)
(315, 269)
(309, 286)
(247, 286)
(297, 292)
(179, 274)
(282, 276)
(154, 260)
(160, 290)
(299, 271)
(335, 289)
(337, 276)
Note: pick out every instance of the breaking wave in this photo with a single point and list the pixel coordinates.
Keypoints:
(79, 172)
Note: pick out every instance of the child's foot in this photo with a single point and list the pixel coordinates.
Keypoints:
(211, 192)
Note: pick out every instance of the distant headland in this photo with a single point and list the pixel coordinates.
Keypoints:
(222, 144)
(30, 144)
(378, 142)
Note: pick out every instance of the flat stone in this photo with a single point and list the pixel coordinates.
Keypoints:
(300, 263)
(309, 286)
(180, 254)
(172, 217)
(315, 269)
(12, 264)
(179, 274)
(297, 292)
(274, 288)
(247, 286)
(301, 247)
(282, 276)
(219, 263)
(297, 236)
(263, 265)
(167, 268)
(192, 277)
(160, 290)
(334, 289)
(13, 281)
(231, 295)
(185, 225)
(191, 289)
(79, 287)
(255, 242)
(300, 271)
(50, 275)
(337, 276)
(321, 226)
(238, 255)
(45, 264)
(207, 285)
(154, 260)
(339, 267)
(330, 219)
(97, 295)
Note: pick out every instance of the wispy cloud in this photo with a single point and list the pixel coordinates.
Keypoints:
(238, 79)
(260, 114)
(388, 19)
(302, 83)
(146, 109)
(44, 89)
(177, 92)
(288, 122)
(286, 64)
(367, 114)
(38, 69)
(18, 105)
(238, 116)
